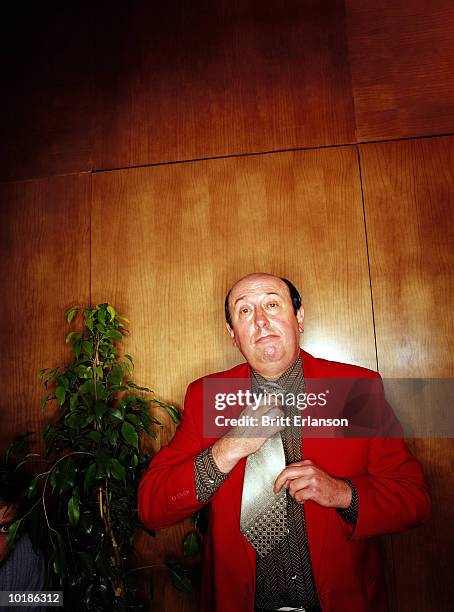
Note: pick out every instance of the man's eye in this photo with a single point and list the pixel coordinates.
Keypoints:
(4, 528)
(272, 305)
(244, 310)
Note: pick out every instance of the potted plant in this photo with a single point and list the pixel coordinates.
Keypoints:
(87, 496)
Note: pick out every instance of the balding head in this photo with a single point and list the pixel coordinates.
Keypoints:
(293, 291)
(265, 319)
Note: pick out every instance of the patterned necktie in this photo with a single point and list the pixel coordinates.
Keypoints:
(263, 519)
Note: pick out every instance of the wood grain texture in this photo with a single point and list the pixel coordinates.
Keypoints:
(422, 556)
(179, 81)
(409, 205)
(402, 65)
(47, 105)
(168, 241)
(409, 196)
(44, 269)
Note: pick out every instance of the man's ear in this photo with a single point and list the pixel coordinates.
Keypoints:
(300, 319)
(231, 333)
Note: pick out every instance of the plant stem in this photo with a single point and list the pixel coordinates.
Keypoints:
(117, 582)
(45, 486)
(136, 569)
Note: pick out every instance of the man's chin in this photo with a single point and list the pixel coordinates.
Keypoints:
(271, 354)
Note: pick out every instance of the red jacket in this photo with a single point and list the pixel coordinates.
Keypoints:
(391, 491)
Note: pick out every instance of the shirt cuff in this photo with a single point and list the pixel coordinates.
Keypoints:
(208, 477)
(350, 514)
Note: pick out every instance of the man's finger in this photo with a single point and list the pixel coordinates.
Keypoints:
(290, 473)
(298, 484)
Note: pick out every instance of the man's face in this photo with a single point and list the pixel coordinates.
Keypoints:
(264, 326)
(7, 516)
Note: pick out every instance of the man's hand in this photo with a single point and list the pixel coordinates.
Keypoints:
(304, 480)
(239, 442)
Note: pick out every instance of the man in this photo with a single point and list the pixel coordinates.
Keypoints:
(23, 568)
(296, 538)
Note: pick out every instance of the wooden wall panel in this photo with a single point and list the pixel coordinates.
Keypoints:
(47, 104)
(168, 241)
(44, 269)
(409, 197)
(409, 204)
(180, 80)
(402, 65)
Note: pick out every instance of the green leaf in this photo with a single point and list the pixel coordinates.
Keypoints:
(73, 511)
(53, 478)
(69, 336)
(82, 371)
(59, 552)
(41, 373)
(116, 414)
(87, 387)
(173, 413)
(102, 315)
(179, 578)
(31, 489)
(134, 420)
(112, 435)
(134, 461)
(44, 402)
(12, 533)
(74, 420)
(67, 474)
(95, 436)
(71, 313)
(117, 374)
(130, 357)
(89, 477)
(60, 394)
(62, 381)
(191, 545)
(52, 374)
(87, 347)
(73, 401)
(128, 367)
(113, 334)
(76, 348)
(112, 312)
(117, 470)
(129, 434)
(101, 409)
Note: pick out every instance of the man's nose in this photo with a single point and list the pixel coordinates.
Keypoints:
(260, 319)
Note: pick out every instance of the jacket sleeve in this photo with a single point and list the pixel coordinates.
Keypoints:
(393, 496)
(167, 488)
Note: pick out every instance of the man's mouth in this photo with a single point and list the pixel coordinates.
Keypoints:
(264, 338)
